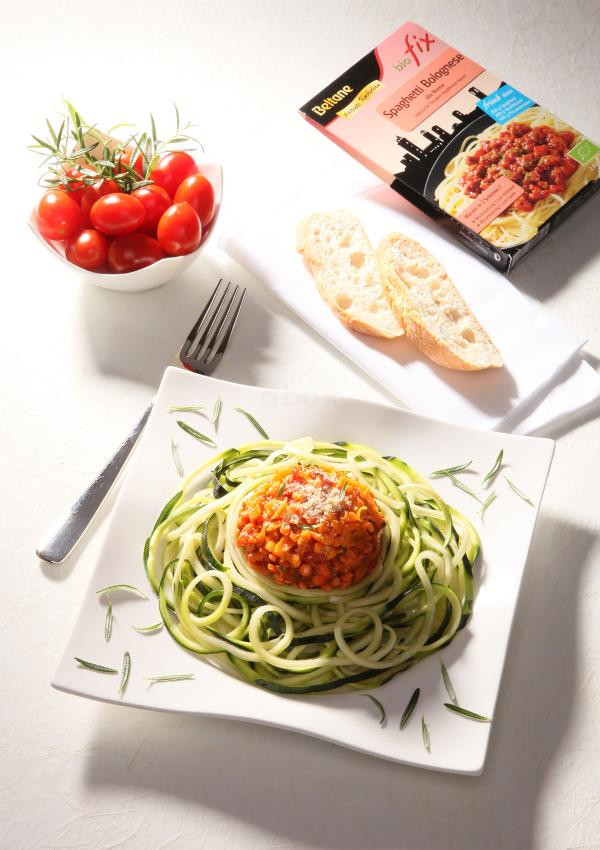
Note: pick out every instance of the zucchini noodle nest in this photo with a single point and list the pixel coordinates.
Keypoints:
(297, 640)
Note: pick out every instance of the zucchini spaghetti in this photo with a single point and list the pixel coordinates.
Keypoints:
(532, 152)
(309, 567)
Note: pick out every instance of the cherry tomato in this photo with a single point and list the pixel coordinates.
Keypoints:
(88, 250)
(179, 229)
(126, 156)
(198, 192)
(97, 190)
(117, 214)
(155, 201)
(58, 216)
(76, 187)
(135, 251)
(171, 169)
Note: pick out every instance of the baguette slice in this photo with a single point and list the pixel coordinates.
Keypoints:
(341, 259)
(427, 304)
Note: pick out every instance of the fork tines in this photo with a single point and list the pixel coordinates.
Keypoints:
(210, 336)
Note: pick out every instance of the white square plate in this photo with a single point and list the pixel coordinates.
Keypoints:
(474, 659)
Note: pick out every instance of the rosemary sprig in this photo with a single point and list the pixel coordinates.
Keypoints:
(191, 408)
(494, 470)
(108, 621)
(450, 470)
(127, 587)
(217, 410)
(125, 671)
(379, 707)
(425, 733)
(519, 493)
(179, 677)
(407, 713)
(100, 668)
(463, 487)
(448, 683)
(487, 503)
(145, 630)
(464, 712)
(176, 458)
(202, 438)
(254, 422)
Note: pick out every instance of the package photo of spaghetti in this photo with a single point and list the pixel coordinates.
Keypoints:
(533, 153)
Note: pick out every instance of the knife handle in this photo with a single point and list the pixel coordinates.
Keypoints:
(62, 540)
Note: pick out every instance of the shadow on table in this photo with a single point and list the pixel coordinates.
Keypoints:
(136, 335)
(296, 789)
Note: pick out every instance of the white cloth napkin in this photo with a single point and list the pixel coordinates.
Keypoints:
(543, 378)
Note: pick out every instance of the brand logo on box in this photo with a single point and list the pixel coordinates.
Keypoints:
(333, 100)
(416, 46)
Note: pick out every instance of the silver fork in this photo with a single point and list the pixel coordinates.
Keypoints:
(201, 352)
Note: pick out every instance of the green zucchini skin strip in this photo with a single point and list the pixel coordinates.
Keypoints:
(295, 642)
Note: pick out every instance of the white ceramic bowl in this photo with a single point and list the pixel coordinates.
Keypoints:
(151, 276)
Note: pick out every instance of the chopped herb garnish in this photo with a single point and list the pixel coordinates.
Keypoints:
(425, 733)
(196, 434)
(487, 503)
(448, 683)
(472, 715)
(108, 621)
(144, 630)
(192, 408)
(254, 422)
(129, 587)
(125, 672)
(176, 458)
(217, 410)
(379, 707)
(450, 470)
(100, 668)
(519, 493)
(463, 487)
(407, 713)
(281, 489)
(178, 677)
(494, 470)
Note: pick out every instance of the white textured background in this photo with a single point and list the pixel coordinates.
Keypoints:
(77, 366)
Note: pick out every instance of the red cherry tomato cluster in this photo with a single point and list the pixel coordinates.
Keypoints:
(107, 230)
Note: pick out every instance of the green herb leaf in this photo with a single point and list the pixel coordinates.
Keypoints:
(176, 678)
(127, 587)
(448, 683)
(100, 668)
(145, 630)
(494, 470)
(407, 713)
(125, 672)
(450, 470)
(463, 487)
(217, 409)
(196, 434)
(176, 458)
(281, 489)
(108, 621)
(425, 733)
(379, 707)
(464, 712)
(519, 493)
(487, 503)
(254, 422)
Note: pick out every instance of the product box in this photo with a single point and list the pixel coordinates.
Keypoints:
(458, 142)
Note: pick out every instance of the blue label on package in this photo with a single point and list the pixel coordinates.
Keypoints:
(505, 103)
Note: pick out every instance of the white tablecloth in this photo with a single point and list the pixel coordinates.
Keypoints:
(79, 364)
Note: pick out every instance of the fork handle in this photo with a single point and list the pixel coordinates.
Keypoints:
(62, 541)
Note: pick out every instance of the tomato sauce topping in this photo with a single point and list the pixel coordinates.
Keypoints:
(311, 528)
(533, 157)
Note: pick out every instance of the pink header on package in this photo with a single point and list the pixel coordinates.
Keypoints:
(429, 89)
